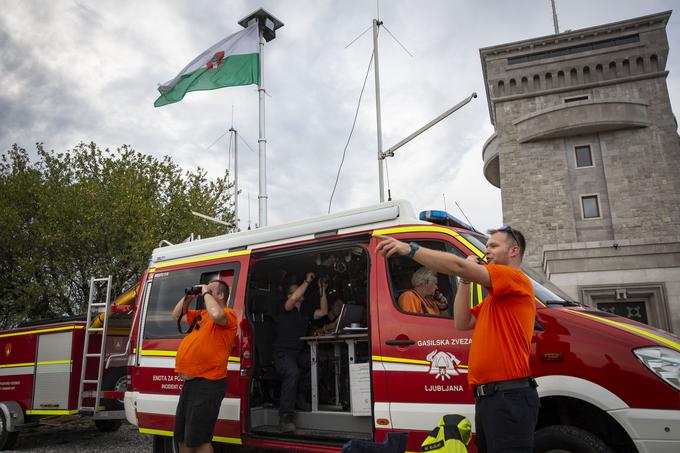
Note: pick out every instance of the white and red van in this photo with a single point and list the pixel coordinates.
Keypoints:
(606, 383)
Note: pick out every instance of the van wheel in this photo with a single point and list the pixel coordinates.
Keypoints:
(115, 379)
(567, 439)
(7, 439)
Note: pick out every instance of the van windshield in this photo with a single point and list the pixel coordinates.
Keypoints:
(546, 291)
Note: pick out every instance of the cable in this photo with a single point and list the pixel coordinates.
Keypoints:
(344, 151)
(398, 42)
(245, 142)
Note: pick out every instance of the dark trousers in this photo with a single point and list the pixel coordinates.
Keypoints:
(293, 368)
(506, 420)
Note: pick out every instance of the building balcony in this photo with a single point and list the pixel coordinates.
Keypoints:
(582, 117)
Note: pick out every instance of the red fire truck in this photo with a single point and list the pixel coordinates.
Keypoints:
(66, 367)
(606, 383)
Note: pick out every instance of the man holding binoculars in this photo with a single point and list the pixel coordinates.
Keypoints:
(201, 361)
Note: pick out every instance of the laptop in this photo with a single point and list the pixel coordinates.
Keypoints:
(350, 314)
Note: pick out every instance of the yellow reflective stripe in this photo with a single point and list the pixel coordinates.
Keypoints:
(159, 353)
(12, 365)
(29, 332)
(636, 330)
(199, 259)
(162, 432)
(430, 229)
(377, 358)
(51, 412)
(152, 352)
(156, 432)
(479, 292)
(228, 440)
(54, 362)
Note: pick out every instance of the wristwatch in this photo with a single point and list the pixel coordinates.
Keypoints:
(414, 247)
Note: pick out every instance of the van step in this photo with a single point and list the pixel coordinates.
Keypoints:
(336, 436)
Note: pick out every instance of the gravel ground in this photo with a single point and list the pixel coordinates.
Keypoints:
(82, 436)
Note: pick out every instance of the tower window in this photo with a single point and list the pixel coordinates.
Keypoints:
(584, 158)
(591, 206)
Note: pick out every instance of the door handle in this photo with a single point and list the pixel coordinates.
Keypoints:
(400, 342)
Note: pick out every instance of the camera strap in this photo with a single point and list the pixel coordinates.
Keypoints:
(191, 326)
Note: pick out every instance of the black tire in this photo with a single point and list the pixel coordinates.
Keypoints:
(567, 439)
(115, 379)
(108, 426)
(7, 439)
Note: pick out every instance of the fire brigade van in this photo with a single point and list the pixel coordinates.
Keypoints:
(53, 371)
(606, 383)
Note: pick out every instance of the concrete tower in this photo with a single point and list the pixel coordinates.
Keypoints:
(587, 157)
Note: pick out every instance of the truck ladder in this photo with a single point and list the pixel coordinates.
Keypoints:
(96, 307)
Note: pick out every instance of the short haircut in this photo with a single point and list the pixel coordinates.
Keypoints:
(511, 234)
(223, 286)
(422, 276)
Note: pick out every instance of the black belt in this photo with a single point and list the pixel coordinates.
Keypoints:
(492, 387)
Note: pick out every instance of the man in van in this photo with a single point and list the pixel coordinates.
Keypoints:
(201, 361)
(291, 359)
(424, 297)
(506, 401)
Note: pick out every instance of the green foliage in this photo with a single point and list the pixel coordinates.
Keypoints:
(92, 213)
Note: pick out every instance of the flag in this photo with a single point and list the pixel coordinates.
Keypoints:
(231, 62)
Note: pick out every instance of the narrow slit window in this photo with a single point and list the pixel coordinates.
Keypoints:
(584, 157)
(591, 207)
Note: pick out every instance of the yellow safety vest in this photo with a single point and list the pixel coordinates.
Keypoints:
(452, 435)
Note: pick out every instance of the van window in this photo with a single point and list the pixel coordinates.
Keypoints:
(404, 272)
(167, 288)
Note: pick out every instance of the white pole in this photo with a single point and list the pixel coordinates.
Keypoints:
(376, 70)
(235, 133)
(262, 141)
(554, 12)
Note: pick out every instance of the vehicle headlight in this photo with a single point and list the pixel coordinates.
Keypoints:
(663, 362)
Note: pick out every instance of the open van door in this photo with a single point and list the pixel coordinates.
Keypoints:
(421, 358)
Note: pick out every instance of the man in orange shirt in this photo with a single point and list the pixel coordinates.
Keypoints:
(201, 361)
(424, 297)
(506, 409)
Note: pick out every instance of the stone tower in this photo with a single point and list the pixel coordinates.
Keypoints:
(587, 157)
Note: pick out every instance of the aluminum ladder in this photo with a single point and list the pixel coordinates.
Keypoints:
(97, 308)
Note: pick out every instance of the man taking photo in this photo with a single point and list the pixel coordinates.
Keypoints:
(201, 361)
(506, 401)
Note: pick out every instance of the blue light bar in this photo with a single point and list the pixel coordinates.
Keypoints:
(444, 218)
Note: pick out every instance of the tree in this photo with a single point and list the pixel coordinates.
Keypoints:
(89, 213)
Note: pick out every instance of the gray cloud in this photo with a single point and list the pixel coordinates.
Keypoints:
(73, 71)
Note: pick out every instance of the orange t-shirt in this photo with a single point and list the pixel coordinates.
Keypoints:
(501, 340)
(205, 351)
(411, 302)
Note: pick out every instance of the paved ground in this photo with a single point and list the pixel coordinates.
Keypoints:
(82, 436)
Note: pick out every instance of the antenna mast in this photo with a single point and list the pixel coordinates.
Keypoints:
(381, 183)
(554, 13)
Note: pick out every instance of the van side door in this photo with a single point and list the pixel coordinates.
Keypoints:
(422, 357)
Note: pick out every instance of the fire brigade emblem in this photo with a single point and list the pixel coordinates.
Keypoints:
(8, 349)
(442, 364)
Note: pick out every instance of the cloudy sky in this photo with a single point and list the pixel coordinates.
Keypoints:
(83, 70)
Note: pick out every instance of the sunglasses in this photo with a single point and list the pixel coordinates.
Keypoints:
(508, 229)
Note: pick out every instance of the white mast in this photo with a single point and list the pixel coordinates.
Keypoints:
(234, 133)
(267, 25)
(376, 71)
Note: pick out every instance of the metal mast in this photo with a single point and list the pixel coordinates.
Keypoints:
(554, 13)
(376, 70)
(235, 135)
(267, 25)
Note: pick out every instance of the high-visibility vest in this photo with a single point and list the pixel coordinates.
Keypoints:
(452, 435)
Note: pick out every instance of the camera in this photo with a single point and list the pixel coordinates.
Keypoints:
(193, 291)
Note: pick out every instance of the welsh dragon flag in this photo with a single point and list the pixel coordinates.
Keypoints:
(231, 62)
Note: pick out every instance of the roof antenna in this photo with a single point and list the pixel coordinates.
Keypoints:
(248, 210)
(466, 217)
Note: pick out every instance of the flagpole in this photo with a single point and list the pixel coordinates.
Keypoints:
(267, 25)
(262, 141)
